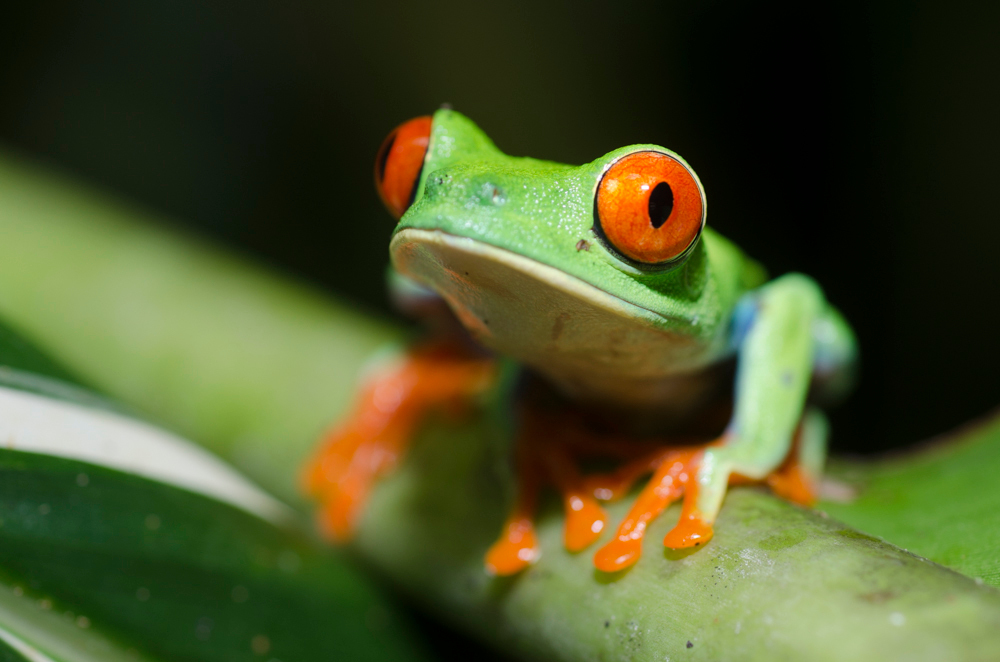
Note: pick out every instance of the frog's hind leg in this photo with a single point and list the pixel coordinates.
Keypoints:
(798, 479)
(394, 400)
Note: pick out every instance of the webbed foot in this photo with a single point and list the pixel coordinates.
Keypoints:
(673, 476)
(544, 456)
(543, 451)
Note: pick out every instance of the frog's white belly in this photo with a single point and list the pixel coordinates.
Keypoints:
(592, 345)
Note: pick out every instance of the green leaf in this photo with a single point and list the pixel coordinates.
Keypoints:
(19, 354)
(174, 574)
(942, 502)
(25, 367)
(8, 654)
(98, 564)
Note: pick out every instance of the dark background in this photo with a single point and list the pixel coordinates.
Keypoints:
(855, 142)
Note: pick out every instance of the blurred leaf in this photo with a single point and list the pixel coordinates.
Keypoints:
(19, 354)
(8, 654)
(175, 574)
(97, 564)
(26, 368)
(941, 501)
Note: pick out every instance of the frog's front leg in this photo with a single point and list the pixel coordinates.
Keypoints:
(777, 344)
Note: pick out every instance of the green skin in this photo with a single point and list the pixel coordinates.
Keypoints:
(715, 304)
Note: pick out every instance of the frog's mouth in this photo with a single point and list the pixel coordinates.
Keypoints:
(588, 341)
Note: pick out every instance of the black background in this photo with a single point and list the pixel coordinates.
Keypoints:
(856, 142)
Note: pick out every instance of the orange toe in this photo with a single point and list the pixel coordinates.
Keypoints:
(331, 461)
(618, 554)
(689, 532)
(585, 520)
(665, 486)
(794, 484)
(516, 549)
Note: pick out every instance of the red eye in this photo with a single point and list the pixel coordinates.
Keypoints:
(650, 207)
(398, 164)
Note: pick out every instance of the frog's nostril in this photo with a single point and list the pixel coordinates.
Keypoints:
(661, 203)
(489, 194)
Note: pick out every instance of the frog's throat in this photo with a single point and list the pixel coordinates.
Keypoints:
(592, 344)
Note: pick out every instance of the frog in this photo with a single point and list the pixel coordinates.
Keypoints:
(646, 343)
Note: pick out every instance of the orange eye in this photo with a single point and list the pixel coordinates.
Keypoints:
(399, 162)
(650, 207)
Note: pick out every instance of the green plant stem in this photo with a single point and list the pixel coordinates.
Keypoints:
(255, 366)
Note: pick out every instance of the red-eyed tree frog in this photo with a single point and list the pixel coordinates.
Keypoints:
(645, 340)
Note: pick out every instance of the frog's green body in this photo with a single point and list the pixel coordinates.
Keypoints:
(518, 250)
(509, 243)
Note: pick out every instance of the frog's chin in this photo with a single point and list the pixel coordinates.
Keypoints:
(591, 344)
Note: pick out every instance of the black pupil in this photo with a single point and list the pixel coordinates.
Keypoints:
(661, 203)
(383, 156)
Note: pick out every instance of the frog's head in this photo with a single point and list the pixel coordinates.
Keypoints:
(553, 263)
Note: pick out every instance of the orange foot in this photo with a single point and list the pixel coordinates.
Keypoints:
(377, 432)
(674, 475)
(548, 448)
(517, 546)
(547, 452)
(541, 459)
(674, 472)
(792, 481)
